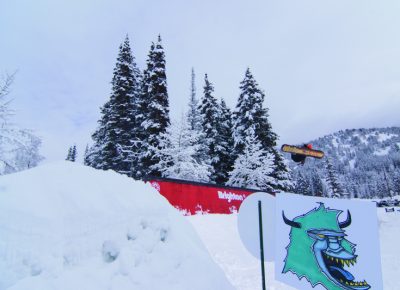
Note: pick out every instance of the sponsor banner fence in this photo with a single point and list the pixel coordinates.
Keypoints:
(197, 198)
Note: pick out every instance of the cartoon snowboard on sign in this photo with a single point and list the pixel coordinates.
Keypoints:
(319, 251)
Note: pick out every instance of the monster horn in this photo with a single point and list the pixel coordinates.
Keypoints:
(290, 223)
(347, 222)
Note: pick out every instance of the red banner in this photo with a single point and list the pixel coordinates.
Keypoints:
(195, 198)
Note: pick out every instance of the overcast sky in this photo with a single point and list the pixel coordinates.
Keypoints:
(324, 65)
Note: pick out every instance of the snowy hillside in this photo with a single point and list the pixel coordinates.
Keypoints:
(66, 226)
(367, 162)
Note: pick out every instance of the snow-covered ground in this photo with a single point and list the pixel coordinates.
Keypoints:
(221, 237)
(66, 226)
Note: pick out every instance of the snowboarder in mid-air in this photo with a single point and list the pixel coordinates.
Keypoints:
(299, 154)
(298, 158)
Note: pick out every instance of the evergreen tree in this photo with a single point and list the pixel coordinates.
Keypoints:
(177, 155)
(388, 183)
(193, 119)
(86, 156)
(302, 185)
(253, 167)
(74, 153)
(209, 111)
(281, 172)
(113, 139)
(71, 154)
(251, 113)
(396, 181)
(136, 120)
(193, 116)
(224, 145)
(155, 111)
(334, 186)
(317, 187)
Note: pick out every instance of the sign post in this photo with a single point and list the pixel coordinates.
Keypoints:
(261, 244)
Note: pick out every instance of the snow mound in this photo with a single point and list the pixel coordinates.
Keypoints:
(67, 226)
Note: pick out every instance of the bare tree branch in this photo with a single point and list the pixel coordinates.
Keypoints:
(5, 88)
(5, 84)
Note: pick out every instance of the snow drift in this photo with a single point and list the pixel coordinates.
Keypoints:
(66, 226)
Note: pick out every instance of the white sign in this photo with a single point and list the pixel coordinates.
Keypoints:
(326, 243)
(248, 224)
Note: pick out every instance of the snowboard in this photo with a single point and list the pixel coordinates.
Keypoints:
(302, 151)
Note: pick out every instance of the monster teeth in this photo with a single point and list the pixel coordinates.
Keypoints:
(347, 263)
(350, 283)
(363, 283)
(342, 261)
(352, 262)
(337, 260)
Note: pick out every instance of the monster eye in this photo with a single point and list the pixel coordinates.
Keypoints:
(321, 236)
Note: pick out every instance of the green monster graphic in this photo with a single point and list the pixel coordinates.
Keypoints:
(319, 251)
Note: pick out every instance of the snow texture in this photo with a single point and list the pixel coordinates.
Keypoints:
(67, 226)
(382, 152)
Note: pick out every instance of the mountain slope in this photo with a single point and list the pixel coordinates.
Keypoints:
(367, 162)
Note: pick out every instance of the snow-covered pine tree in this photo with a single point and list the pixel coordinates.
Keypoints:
(194, 125)
(86, 156)
(388, 182)
(302, 185)
(335, 189)
(317, 187)
(396, 181)
(224, 145)
(136, 120)
(193, 115)
(112, 147)
(155, 111)
(282, 172)
(74, 153)
(250, 112)
(177, 155)
(253, 167)
(69, 154)
(209, 113)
